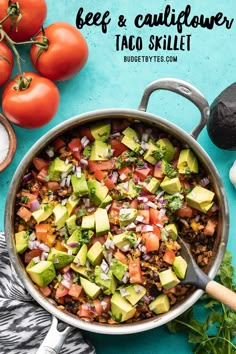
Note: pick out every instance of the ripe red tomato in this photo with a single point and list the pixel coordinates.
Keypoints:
(31, 15)
(6, 63)
(66, 54)
(32, 107)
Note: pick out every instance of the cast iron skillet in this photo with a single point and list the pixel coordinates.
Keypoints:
(54, 339)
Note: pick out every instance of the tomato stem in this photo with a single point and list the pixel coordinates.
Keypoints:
(5, 18)
(11, 44)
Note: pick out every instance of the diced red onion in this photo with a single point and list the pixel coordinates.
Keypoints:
(123, 292)
(138, 228)
(143, 249)
(159, 225)
(36, 259)
(108, 256)
(131, 226)
(84, 162)
(125, 248)
(147, 228)
(140, 218)
(145, 137)
(27, 177)
(44, 256)
(68, 179)
(122, 177)
(33, 244)
(32, 236)
(67, 284)
(162, 202)
(104, 305)
(64, 201)
(162, 212)
(152, 205)
(197, 218)
(158, 164)
(184, 222)
(63, 182)
(109, 244)
(56, 261)
(50, 152)
(90, 210)
(75, 149)
(137, 289)
(214, 208)
(138, 241)
(125, 277)
(73, 244)
(113, 177)
(108, 207)
(159, 195)
(204, 182)
(86, 202)
(115, 135)
(34, 205)
(144, 145)
(84, 141)
(44, 247)
(143, 199)
(146, 299)
(143, 167)
(67, 276)
(78, 171)
(146, 257)
(126, 186)
(104, 266)
(69, 252)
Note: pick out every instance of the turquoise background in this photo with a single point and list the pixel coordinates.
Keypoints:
(108, 82)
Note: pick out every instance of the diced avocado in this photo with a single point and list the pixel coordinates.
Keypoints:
(131, 139)
(60, 215)
(102, 224)
(166, 148)
(73, 242)
(152, 152)
(82, 270)
(171, 185)
(42, 273)
(79, 185)
(95, 253)
(21, 239)
(101, 130)
(172, 231)
(180, 267)
(43, 212)
(168, 279)
(153, 185)
(80, 258)
(91, 289)
(97, 192)
(200, 198)
(160, 305)
(57, 167)
(126, 216)
(187, 162)
(105, 280)
(88, 222)
(135, 293)
(100, 151)
(121, 309)
(127, 189)
(71, 203)
(59, 258)
(71, 223)
(124, 240)
(118, 268)
(108, 200)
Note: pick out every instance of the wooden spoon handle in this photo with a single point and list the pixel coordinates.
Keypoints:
(222, 294)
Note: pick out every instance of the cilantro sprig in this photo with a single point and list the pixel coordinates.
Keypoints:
(217, 333)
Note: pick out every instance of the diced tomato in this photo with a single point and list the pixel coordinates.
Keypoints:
(118, 147)
(170, 291)
(58, 143)
(61, 290)
(125, 172)
(45, 290)
(134, 204)
(101, 239)
(75, 290)
(105, 165)
(106, 303)
(85, 311)
(98, 307)
(210, 228)
(119, 125)
(135, 272)
(41, 231)
(29, 198)
(146, 216)
(144, 172)
(151, 241)
(114, 212)
(53, 185)
(75, 147)
(24, 213)
(158, 173)
(65, 269)
(169, 256)
(42, 175)
(40, 163)
(185, 211)
(157, 231)
(156, 217)
(102, 177)
(120, 256)
(85, 131)
(31, 254)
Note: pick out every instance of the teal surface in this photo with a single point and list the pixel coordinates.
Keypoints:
(109, 82)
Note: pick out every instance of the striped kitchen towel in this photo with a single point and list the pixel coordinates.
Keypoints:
(23, 323)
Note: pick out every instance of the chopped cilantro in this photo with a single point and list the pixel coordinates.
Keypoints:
(81, 212)
(170, 171)
(24, 199)
(174, 202)
(87, 152)
(131, 237)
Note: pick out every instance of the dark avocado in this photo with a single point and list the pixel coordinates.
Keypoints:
(221, 125)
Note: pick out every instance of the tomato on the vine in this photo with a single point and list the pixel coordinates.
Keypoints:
(65, 55)
(6, 63)
(26, 20)
(32, 105)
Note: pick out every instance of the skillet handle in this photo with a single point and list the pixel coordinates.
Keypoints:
(184, 89)
(54, 339)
